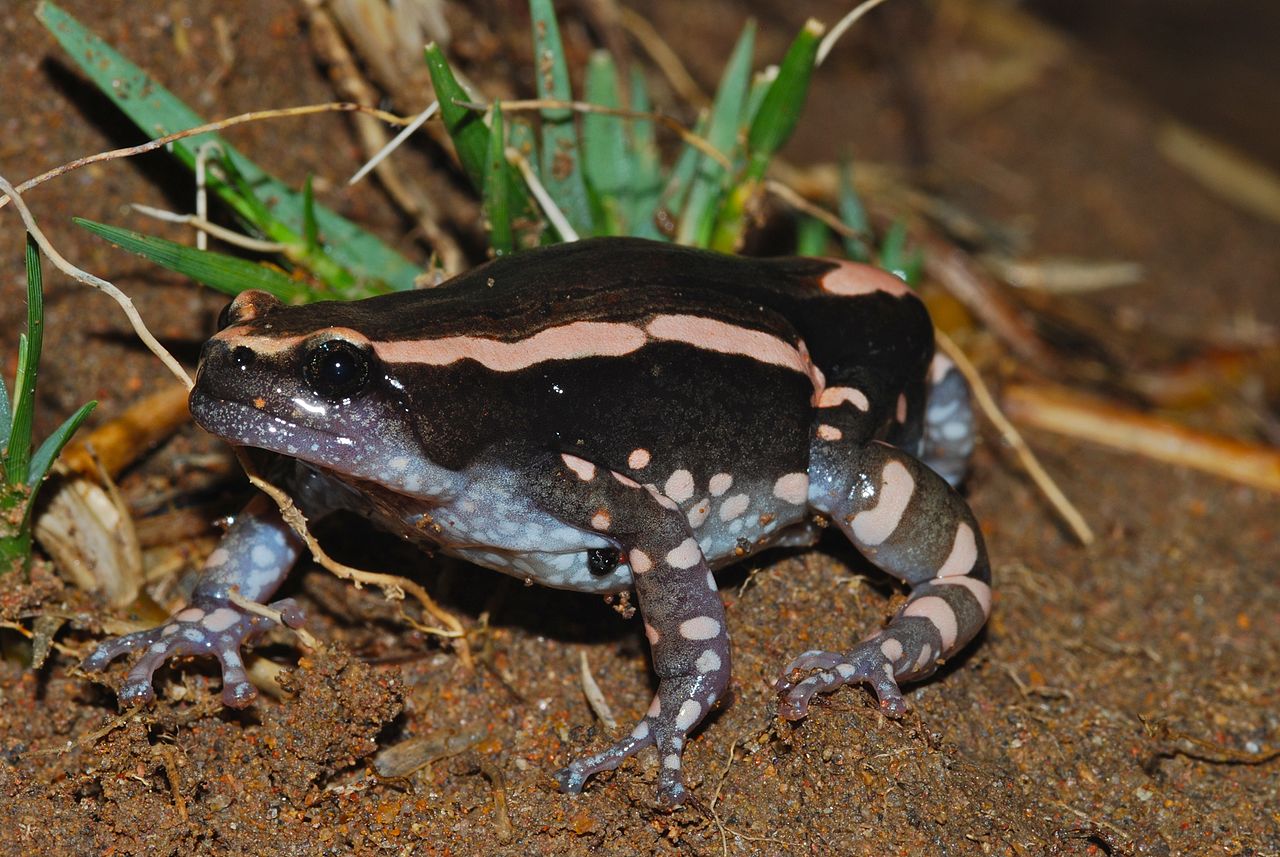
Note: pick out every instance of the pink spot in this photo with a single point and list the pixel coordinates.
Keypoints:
(698, 514)
(734, 507)
(850, 279)
(720, 483)
(829, 433)
(874, 525)
(679, 486)
(655, 707)
(964, 553)
(939, 368)
(571, 341)
(700, 628)
(638, 459)
(713, 335)
(686, 555)
(191, 614)
(835, 396)
(601, 520)
(652, 633)
(585, 470)
(981, 591)
(640, 561)
(626, 480)
(902, 407)
(891, 649)
(939, 612)
(792, 488)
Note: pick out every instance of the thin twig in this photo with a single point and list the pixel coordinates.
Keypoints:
(595, 696)
(530, 104)
(393, 586)
(139, 327)
(791, 197)
(664, 57)
(395, 142)
(842, 26)
(259, 609)
(1011, 436)
(558, 221)
(160, 142)
(204, 226)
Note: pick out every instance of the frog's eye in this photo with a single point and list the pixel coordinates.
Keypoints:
(335, 368)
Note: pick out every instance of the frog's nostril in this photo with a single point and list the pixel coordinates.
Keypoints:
(243, 356)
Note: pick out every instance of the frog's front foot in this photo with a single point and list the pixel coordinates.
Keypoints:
(671, 789)
(210, 625)
(867, 662)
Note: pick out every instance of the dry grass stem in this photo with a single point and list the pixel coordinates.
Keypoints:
(1086, 417)
(664, 57)
(204, 227)
(595, 696)
(1013, 438)
(842, 26)
(139, 327)
(548, 205)
(1238, 179)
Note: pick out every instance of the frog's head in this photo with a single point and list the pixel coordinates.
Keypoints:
(306, 383)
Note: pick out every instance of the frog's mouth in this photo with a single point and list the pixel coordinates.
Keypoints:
(253, 424)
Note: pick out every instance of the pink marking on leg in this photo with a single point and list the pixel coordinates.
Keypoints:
(725, 338)
(571, 341)
(939, 612)
(638, 459)
(964, 553)
(981, 591)
(700, 628)
(851, 279)
(891, 649)
(601, 520)
(625, 480)
(833, 397)
(902, 408)
(585, 470)
(829, 433)
(720, 483)
(872, 526)
(686, 555)
(640, 561)
(652, 633)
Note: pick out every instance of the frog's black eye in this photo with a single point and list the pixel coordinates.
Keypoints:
(335, 368)
(602, 561)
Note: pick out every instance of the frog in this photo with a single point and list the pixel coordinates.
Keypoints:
(609, 416)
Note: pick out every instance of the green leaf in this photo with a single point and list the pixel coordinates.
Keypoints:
(465, 126)
(6, 418)
(893, 255)
(784, 102)
(811, 237)
(681, 176)
(705, 194)
(642, 151)
(18, 454)
(853, 215)
(52, 446)
(497, 187)
(605, 160)
(228, 274)
(157, 112)
(310, 231)
(561, 172)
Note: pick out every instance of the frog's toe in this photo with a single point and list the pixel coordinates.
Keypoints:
(571, 779)
(834, 670)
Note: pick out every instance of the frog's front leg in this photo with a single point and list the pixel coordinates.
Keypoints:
(679, 602)
(253, 558)
(909, 522)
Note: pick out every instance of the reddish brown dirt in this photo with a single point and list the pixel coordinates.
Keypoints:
(1030, 742)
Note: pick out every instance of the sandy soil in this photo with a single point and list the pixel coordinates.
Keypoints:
(1032, 742)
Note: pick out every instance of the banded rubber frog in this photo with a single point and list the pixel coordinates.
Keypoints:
(607, 416)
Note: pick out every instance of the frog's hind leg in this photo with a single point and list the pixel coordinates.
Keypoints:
(679, 602)
(908, 521)
(949, 428)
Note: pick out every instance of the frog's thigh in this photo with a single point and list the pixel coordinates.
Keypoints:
(681, 607)
(908, 521)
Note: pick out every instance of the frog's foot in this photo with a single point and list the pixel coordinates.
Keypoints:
(867, 662)
(209, 626)
(573, 777)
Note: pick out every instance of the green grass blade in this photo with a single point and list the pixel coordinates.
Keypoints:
(642, 150)
(497, 186)
(784, 102)
(893, 254)
(607, 167)
(465, 126)
(310, 229)
(811, 237)
(157, 112)
(18, 454)
(853, 215)
(227, 274)
(6, 422)
(52, 446)
(561, 161)
(706, 191)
